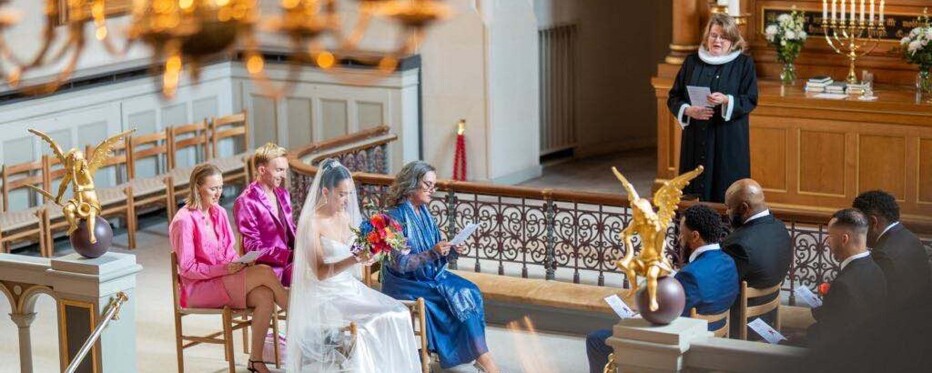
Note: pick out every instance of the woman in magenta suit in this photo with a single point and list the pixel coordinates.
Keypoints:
(203, 240)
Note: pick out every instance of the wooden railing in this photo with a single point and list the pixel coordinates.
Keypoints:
(544, 230)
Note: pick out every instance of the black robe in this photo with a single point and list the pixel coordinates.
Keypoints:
(723, 148)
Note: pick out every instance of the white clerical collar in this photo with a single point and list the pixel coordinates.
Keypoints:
(758, 215)
(702, 249)
(887, 229)
(708, 58)
(853, 257)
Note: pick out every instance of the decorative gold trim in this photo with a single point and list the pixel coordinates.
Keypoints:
(674, 60)
(64, 359)
(113, 8)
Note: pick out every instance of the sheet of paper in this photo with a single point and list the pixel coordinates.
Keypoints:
(620, 307)
(832, 96)
(464, 234)
(769, 334)
(699, 96)
(808, 296)
(249, 257)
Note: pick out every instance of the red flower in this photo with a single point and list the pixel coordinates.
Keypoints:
(396, 226)
(823, 288)
(378, 221)
(373, 237)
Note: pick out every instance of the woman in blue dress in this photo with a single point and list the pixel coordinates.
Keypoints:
(455, 317)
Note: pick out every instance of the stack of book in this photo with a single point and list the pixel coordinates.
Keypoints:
(836, 87)
(818, 83)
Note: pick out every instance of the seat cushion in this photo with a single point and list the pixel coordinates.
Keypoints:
(146, 186)
(181, 176)
(230, 164)
(108, 196)
(14, 220)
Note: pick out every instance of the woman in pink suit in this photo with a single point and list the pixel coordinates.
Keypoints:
(203, 240)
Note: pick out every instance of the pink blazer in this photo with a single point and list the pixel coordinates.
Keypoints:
(263, 230)
(202, 258)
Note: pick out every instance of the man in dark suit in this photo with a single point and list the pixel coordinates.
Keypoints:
(856, 296)
(710, 280)
(898, 252)
(849, 325)
(760, 244)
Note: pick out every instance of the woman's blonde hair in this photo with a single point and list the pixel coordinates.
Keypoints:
(729, 29)
(201, 172)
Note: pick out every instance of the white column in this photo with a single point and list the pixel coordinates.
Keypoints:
(90, 284)
(23, 322)
(642, 347)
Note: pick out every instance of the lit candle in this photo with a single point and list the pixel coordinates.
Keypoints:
(872, 12)
(734, 8)
(854, 12)
(843, 8)
(881, 21)
(825, 10)
(834, 8)
(862, 11)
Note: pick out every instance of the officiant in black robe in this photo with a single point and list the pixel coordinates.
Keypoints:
(716, 137)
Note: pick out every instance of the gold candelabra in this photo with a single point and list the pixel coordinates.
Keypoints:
(852, 37)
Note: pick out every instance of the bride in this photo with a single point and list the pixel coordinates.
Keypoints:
(326, 296)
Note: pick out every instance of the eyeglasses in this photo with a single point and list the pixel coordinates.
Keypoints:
(429, 187)
(719, 37)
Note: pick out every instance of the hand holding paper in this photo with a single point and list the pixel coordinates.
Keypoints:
(699, 96)
(808, 296)
(620, 307)
(769, 334)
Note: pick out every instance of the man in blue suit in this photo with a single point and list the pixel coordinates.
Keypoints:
(710, 279)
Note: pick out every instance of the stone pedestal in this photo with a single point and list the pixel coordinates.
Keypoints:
(643, 347)
(85, 288)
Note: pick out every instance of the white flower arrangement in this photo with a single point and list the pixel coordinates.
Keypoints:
(788, 35)
(916, 46)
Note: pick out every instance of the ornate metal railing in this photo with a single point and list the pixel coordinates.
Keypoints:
(550, 229)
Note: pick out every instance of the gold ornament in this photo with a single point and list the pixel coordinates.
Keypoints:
(80, 174)
(652, 227)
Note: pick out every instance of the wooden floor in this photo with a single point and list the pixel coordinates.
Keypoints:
(595, 174)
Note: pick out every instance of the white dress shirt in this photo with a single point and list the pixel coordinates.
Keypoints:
(853, 257)
(702, 249)
(758, 215)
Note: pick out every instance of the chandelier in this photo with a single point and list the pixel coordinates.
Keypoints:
(184, 34)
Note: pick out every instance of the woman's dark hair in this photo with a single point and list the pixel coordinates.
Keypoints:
(706, 221)
(407, 182)
(332, 173)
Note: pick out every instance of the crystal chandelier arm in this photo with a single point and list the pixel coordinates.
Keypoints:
(98, 11)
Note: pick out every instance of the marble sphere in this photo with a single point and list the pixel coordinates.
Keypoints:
(81, 241)
(670, 297)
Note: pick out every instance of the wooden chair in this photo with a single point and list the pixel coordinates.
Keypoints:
(224, 337)
(745, 312)
(228, 127)
(418, 310)
(180, 138)
(17, 225)
(151, 190)
(721, 332)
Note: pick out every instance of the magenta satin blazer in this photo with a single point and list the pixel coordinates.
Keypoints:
(202, 257)
(264, 231)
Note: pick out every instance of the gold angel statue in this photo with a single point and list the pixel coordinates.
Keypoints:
(80, 174)
(652, 227)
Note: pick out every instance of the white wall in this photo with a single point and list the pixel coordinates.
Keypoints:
(478, 67)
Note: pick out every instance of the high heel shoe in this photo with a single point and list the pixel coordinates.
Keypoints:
(251, 365)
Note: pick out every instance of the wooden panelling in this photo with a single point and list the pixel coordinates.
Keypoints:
(882, 164)
(768, 157)
(334, 118)
(925, 170)
(300, 128)
(822, 163)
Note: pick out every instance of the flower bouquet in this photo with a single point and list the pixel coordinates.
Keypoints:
(917, 49)
(788, 36)
(377, 236)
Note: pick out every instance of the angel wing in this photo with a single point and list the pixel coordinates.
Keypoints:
(103, 151)
(668, 196)
(632, 194)
(48, 139)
